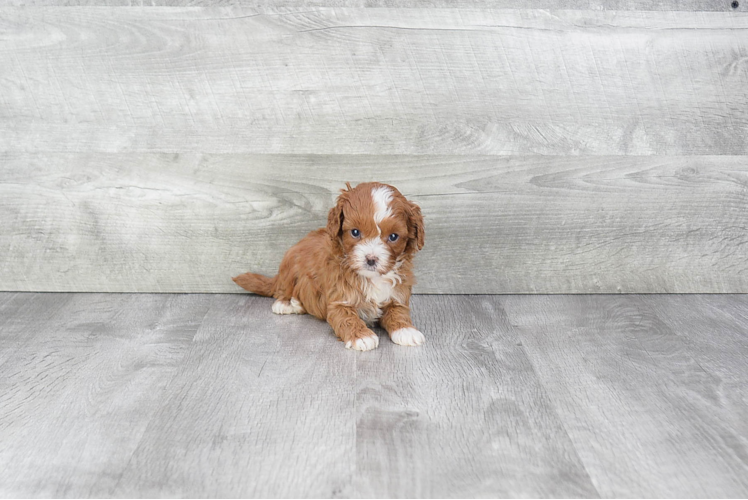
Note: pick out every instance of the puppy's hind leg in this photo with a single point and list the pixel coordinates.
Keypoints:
(293, 306)
(286, 280)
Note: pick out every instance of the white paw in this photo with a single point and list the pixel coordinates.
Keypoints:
(407, 336)
(286, 307)
(363, 344)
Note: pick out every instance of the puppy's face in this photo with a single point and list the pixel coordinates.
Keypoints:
(376, 228)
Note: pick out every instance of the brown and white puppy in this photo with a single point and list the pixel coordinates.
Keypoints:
(355, 271)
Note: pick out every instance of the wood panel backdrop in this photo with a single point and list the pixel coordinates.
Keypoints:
(555, 147)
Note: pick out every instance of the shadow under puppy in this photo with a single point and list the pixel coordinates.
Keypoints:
(355, 271)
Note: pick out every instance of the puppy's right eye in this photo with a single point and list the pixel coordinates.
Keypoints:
(355, 233)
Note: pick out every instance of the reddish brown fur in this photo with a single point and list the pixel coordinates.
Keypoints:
(259, 284)
(318, 273)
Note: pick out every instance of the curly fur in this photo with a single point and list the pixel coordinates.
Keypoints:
(327, 274)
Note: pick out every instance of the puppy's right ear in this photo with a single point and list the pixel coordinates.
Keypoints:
(335, 219)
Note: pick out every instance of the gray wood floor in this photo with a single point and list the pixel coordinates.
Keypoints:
(213, 395)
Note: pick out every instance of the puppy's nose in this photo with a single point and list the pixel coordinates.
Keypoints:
(371, 260)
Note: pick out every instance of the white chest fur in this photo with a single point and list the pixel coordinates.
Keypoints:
(378, 291)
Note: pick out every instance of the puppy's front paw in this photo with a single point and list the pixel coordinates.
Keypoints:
(407, 336)
(363, 343)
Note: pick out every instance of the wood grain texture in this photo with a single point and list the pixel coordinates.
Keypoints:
(464, 417)
(187, 223)
(714, 327)
(648, 417)
(257, 405)
(276, 6)
(77, 396)
(262, 406)
(214, 396)
(373, 81)
(22, 319)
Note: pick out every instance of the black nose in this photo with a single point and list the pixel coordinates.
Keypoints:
(371, 262)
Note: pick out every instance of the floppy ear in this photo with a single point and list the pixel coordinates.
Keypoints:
(416, 229)
(335, 219)
(335, 216)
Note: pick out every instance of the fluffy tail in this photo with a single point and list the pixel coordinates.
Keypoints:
(256, 283)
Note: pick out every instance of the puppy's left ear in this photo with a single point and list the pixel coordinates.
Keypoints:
(335, 219)
(416, 229)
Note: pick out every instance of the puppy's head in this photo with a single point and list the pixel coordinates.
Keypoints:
(376, 227)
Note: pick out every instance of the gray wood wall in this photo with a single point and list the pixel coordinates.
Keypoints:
(598, 147)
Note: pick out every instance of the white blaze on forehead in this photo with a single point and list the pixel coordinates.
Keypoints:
(382, 197)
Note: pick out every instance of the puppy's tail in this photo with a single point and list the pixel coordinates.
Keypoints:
(256, 283)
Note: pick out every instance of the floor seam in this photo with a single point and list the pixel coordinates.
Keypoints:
(162, 392)
(554, 406)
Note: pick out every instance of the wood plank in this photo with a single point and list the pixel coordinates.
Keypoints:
(188, 222)
(213, 396)
(646, 417)
(276, 6)
(262, 406)
(268, 406)
(464, 416)
(76, 398)
(716, 327)
(373, 81)
(23, 316)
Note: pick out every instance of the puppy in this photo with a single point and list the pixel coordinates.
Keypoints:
(357, 270)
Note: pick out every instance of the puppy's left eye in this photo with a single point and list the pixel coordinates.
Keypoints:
(393, 237)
